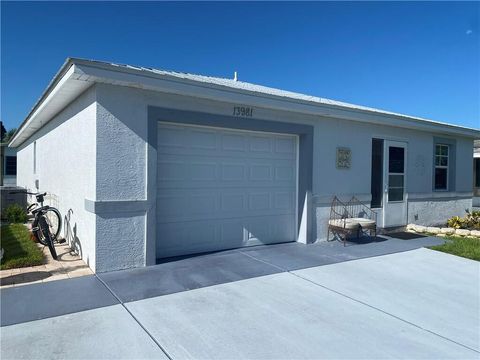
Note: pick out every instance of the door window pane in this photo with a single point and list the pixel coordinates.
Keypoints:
(395, 181)
(395, 194)
(441, 178)
(396, 159)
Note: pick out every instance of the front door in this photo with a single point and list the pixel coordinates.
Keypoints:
(395, 205)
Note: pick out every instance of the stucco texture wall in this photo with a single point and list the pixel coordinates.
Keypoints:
(121, 176)
(65, 168)
(124, 112)
(425, 205)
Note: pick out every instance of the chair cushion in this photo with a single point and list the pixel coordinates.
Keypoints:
(352, 223)
(364, 222)
(344, 223)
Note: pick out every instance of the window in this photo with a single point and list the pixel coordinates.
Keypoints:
(477, 172)
(441, 166)
(377, 173)
(10, 165)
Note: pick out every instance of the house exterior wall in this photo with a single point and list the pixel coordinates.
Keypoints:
(65, 168)
(121, 178)
(125, 198)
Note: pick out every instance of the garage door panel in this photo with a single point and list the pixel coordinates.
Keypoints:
(261, 172)
(223, 189)
(259, 201)
(203, 236)
(172, 171)
(282, 229)
(261, 144)
(233, 232)
(203, 171)
(234, 142)
(284, 201)
(171, 205)
(231, 171)
(219, 143)
(199, 168)
(187, 239)
(196, 204)
(232, 202)
(285, 145)
(201, 139)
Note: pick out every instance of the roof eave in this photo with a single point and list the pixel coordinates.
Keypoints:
(104, 73)
(50, 103)
(79, 74)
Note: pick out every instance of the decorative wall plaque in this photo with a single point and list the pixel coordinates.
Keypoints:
(344, 158)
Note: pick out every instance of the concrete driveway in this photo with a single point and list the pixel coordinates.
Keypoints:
(392, 299)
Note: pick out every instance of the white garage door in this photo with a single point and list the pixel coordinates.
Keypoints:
(222, 189)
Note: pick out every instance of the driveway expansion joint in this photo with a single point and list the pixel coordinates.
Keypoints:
(134, 318)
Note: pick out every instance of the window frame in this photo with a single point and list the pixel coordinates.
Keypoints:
(7, 167)
(476, 173)
(446, 167)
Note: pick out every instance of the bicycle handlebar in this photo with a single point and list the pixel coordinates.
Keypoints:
(26, 192)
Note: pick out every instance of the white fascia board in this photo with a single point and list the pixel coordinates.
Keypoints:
(168, 84)
(66, 89)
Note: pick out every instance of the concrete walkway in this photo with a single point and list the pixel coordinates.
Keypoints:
(394, 299)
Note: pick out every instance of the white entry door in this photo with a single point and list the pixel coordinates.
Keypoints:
(222, 188)
(395, 204)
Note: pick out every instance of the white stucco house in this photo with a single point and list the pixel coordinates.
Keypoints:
(146, 164)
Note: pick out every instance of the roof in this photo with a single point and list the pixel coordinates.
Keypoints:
(246, 86)
(78, 74)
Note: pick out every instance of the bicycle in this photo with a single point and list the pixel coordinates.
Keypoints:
(47, 222)
(54, 219)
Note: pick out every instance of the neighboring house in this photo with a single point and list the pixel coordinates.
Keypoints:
(476, 174)
(8, 165)
(147, 164)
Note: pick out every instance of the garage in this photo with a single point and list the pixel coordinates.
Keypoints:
(221, 188)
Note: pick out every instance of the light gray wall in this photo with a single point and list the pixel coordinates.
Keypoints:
(424, 207)
(66, 169)
(121, 177)
(123, 154)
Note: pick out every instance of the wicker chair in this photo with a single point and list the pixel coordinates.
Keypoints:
(352, 217)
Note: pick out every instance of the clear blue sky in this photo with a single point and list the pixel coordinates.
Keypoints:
(415, 58)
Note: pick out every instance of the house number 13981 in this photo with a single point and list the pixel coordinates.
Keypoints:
(242, 111)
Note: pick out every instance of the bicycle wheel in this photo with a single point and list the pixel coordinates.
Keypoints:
(37, 232)
(45, 231)
(54, 221)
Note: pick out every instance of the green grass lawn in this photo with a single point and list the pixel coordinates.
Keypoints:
(467, 247)
(20, 250)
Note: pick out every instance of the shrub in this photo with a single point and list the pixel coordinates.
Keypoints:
(455, 222)
(470, 221)
(15, 214)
